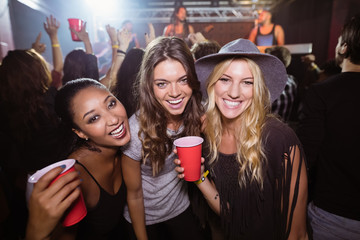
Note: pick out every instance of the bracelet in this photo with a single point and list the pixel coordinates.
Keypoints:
(115, 46)
(56, 45)
(120, 51)
(203, 177)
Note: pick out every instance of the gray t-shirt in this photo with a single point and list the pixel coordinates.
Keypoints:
(165, 195)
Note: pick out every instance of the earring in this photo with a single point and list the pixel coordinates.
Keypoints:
(86, 139)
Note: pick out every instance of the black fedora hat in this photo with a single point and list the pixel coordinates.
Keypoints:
(273, 69)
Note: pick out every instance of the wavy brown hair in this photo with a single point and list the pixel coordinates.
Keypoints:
(25, 78)
(153, 118)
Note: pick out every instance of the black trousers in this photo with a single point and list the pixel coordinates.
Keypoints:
(183, 226)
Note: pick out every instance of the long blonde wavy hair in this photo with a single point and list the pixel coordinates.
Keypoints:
(250, 153)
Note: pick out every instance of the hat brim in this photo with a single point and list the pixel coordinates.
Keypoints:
(273, 70)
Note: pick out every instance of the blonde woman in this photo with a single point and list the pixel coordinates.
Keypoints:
(258, 182)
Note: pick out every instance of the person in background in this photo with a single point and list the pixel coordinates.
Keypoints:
(203, 48)
(283, 106)
(79, 63)
(51, 27)
(126, 83)
(121, 40)
(315, 73)
(102, 50)
(28, 127)
(83, 64)
(329, 130)
(178, 26)
(158, 205)
(265, 32)
(258, 183)
(134, 42)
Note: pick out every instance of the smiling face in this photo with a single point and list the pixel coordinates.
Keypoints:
(100, 117)
(234, 89)
(171, 87)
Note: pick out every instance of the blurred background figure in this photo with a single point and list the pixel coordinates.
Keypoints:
(128, 25)
(283, 106)
(329, 131)
(80, 63)
(126, 80)
(28, 128)
(201, 49)
(102, 51)
(178, 25)
(265, 32)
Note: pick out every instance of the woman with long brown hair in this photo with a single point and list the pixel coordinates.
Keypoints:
(169, 108)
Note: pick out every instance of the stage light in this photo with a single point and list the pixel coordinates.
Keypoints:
(104, 7)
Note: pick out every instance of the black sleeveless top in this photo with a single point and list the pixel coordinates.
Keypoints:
(105, 220)
(266, 39)
(253, 212)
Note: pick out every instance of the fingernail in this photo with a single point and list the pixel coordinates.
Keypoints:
(63, 166)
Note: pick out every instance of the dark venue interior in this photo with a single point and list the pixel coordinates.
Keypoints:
(311, 29)
(304, 21)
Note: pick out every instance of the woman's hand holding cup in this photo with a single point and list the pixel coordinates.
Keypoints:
(48, 202)
(180, 170)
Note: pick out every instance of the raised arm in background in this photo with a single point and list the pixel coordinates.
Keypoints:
(151, 35)
(83, 35)
(37, 45)
(51, 27)
(120, 42)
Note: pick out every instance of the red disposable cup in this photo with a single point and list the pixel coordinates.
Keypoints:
(189, 152)
(77, 25)
(77, 211)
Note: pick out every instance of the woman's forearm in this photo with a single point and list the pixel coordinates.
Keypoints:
(211, 195)
(137, 215)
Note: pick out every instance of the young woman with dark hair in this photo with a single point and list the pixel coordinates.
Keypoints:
(178, 26)
(96, 126)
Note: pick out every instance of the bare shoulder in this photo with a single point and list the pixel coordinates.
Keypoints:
(253, 34)
(168, 29)
(278, 28)
(191, 29)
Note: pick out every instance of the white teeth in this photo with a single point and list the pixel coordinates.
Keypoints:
(231, 103)
(118, 131)
(175, 101)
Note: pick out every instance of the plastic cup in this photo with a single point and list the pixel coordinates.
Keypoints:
(77, 211)
(189, 152)
(77, 25)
